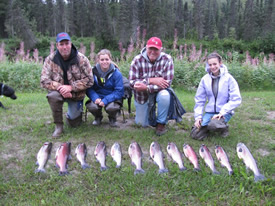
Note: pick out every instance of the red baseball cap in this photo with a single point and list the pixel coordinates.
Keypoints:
(154, 42)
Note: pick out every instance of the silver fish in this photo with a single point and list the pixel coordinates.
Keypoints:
(207, 157)
(135, 154)
(116, 154)
(250, 163)
(192, 156)
(62, 156)
(175, 154)
(100, 154)
(157, 155)
(43, 156)
(81, 154)
(223, 159)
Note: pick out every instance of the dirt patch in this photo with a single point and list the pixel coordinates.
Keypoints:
(271, 115)
(263, 152)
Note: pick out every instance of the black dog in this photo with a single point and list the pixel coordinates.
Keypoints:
(6, 91)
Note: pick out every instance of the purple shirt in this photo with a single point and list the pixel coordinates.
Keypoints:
(142, 69)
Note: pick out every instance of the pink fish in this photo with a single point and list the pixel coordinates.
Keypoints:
(223, 158)
(191, 155)
(175, 154)
(208, 159)
(43, 156)
(62, 156)
(81, 154)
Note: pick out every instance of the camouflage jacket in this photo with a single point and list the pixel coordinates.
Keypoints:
(80, 76)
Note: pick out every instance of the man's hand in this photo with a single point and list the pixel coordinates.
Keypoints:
(65, 91)
(140, 87)
(159, 81)
(198, 123)
(217, 116)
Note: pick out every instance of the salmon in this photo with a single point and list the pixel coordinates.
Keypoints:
(191, 155)
(157, 155)
(208, 159)
(100, 154)
(43, 156)
(223, 159)
(81, 154)
(249, 161)
(116, 154)
(62, 156)
(175, 154)
(135, 154)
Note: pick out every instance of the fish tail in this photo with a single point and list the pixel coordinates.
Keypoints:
(216, 172)
(196, 169)
(259, 177)
(163, 171)
(183, 168)
(118, 166)
(61, 173)
(140, 171)
(85, 166)
(230, 172)
(40, 170)
(103, 168)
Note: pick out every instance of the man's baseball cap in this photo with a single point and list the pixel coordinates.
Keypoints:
(154, 42)
(62, 36)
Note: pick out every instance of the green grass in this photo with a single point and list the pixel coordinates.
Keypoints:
(27, 124)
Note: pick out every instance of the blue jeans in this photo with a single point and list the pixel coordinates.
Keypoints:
(75, 108)
(208, 116)
(142, 112)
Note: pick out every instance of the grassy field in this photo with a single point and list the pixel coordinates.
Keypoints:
(27, 124)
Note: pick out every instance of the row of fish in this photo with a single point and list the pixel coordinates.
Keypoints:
(63, 155)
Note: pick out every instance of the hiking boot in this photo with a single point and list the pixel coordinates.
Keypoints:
(199, 134)
(97, 121)
(58, 130)
(225, 132)
(160, 129)
(112, 122)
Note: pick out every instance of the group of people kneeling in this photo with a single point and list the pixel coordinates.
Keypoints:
(68, 77)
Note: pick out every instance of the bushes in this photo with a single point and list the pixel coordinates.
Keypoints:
(25, 76)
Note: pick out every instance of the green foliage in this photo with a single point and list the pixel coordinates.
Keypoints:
(22, 76)
(25, 76)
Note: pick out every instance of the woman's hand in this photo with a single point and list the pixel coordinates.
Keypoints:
(198, 123)
(217, 116)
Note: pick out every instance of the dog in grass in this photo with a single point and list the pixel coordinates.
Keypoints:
(6, 91)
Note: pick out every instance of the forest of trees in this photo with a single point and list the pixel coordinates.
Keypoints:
(117, 20)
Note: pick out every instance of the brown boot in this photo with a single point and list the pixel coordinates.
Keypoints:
(58, 130)
(160, 129)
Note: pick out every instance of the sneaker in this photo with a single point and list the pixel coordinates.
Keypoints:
(160, 129)
(97, 121)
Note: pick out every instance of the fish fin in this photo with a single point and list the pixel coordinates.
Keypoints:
(222, 165)
(259, 178)
(163, 171)
(141, 171)
(40, 170)
(70, 157)
(57, 165)
(85, 166)
(230, 172)
(118, 166)
(37, 163)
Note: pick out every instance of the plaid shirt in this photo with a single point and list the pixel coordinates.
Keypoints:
(142, 69)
